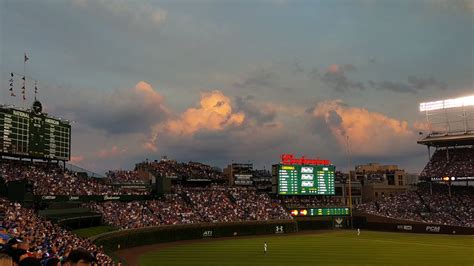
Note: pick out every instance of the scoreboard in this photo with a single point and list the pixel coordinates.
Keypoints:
(306, 179)
(30, 133)
(321, 212)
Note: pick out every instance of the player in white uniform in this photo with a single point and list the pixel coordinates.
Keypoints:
(358, 231)
(265, 248)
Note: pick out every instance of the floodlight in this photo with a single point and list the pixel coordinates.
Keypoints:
(446, 104)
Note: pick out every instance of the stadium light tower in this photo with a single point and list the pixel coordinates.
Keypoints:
(450, 116)
(446, 104)
(350, 181)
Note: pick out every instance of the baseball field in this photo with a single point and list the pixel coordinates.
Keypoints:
(327, 248)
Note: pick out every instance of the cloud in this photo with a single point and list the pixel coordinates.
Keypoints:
(219, 130)
(297, 66)
(467, 5)
(370, 133)
(424, 84)
(121, 111)
(258, 79)
(336, 78)
(114, 151)
(140, 13)
(76, 159)
(260, 144)
(413, 85)
(213, 113)
(254, 111)
(421, 126)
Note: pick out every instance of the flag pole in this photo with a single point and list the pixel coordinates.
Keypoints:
(24, 76)
(350, 180)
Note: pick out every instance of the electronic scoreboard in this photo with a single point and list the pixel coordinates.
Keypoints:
(31, 133)
(306, 179)
(321, 212)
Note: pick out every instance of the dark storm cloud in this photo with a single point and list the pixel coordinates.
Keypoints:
(297, 66)
(253, 111)
(258, 144)
(334, 119)
(118, 112)
(337, 79)
(258, 79)
(413, 85)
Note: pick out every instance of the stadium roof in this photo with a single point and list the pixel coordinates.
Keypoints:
(448, 140)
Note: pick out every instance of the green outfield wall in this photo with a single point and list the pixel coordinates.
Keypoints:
(153, 235)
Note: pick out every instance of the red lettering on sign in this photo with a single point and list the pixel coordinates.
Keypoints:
(291, 160)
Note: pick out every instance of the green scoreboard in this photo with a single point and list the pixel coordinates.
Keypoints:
(340, 211)
(306, 179)
(31, 133)
(328, 211)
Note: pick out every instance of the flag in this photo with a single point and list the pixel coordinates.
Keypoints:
(26, 58)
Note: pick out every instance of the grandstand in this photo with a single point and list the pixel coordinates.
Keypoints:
(451, 133)
(171, 200)
(209, 205)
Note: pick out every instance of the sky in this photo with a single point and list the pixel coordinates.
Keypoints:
(239, 80)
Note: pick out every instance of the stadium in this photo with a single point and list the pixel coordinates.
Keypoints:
(338, 133)
(175, 213)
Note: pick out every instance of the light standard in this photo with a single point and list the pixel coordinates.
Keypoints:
(350, 181)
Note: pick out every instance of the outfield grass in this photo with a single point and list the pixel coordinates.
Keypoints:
(92, 231)
(332, 248)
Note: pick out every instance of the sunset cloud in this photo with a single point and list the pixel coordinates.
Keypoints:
(336, 78)
(114, 151)
(130, 74)
(76, 159)
(213, 113)
(421, 126)
(369, 133)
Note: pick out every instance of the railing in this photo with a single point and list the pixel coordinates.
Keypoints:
(77, 169)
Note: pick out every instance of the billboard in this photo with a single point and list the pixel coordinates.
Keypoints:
(306, 179)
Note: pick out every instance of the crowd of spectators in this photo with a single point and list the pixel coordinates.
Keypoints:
(26, 236)
(458, 162)
(188, 205)
(51, 179)
(431, 205)
(434, 204)
(190, 170)
(171, 209)
(257, 206)
(125, 177)
(213, 204)
(311, 201)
